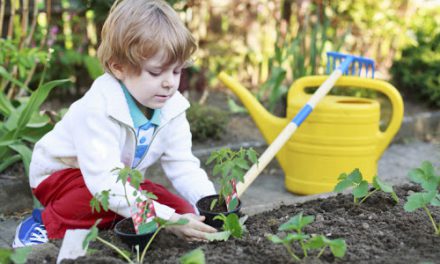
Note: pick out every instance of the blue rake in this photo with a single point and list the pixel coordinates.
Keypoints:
(343, 60)
(340, 64)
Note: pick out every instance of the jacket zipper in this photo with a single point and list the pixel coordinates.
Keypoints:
(136, 140)
(145, 153)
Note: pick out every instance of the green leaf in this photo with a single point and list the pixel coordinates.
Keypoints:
(37, 120)
(25, 153)
(5, 105)
(181, 221)
(233, 225)
(195, 256)
(32, 135)
(123, 174)
(93, 67)
(92, 235)
(105, 199)
(226, 168)
(5, 74)
(275, 239)
(315, 242)
(211, 158)
(355, 176)
(135, 178)
(20, 255)
(379, 184)
(218, 236)
(297, 222)
(425, 176)
(252, 155)
(213, 203)
(217, 169)
(94, 204)
(342, 176)
(233, 203)
(361, 190)
(9, 161)
(342, 185)
(418, 200)
(387, 188)
(35, 101)
(146, 228)
(242, 163)
(436, 200)
(5, 254)
(338, 247)
(149, 195)
(296, 237)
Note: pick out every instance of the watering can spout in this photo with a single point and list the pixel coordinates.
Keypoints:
(269, 125)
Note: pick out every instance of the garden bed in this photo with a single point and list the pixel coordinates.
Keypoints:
(377, 231)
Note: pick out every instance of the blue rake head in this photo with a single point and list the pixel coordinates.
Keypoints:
(348, 64)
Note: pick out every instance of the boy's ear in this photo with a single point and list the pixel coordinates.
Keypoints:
(118, 70)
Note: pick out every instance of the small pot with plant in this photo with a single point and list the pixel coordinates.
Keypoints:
(139, 230)
(231, 166)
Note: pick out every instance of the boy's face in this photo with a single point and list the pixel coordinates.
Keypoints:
(155, 84)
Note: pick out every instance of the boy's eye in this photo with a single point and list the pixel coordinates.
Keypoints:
(155, 74)
(177, 71)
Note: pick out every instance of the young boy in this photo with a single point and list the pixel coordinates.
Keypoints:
(132, 116)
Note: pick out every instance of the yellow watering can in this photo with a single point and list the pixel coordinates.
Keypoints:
(342, 133)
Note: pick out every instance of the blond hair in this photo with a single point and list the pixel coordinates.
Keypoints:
(136, 30)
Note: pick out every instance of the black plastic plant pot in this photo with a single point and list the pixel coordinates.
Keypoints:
(203, 205)
(124, 229)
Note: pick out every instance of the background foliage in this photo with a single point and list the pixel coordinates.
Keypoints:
(417, 71)
(265, 44)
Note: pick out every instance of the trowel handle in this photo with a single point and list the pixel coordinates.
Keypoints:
(287, 132)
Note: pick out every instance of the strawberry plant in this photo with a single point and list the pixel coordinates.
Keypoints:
(93, 235)
(430, 183)
(231, 166)
(143, 198)
(307, 242)
(134, 177)
(232, 226)
(361, 188)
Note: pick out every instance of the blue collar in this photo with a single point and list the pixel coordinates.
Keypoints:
(139, 119)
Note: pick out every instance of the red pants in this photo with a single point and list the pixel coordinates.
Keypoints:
(66, 202)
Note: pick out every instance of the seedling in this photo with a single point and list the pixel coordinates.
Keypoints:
(361, 188)
(134, 177)
(425, 176)
(232, 226)
(93, 235)
(338, 247)
(195, 256)
(231, 165)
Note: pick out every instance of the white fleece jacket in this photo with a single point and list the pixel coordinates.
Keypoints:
(97, 135)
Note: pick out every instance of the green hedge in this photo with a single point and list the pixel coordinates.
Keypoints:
(207, 122)
(417, 73)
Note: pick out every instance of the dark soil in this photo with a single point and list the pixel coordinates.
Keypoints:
(205, 204)
(377, 231)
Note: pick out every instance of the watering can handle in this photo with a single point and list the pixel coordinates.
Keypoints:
(372, 84)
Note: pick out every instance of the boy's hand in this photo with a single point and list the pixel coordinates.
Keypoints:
(194, 230)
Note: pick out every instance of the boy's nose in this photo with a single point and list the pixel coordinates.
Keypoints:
(167, 84)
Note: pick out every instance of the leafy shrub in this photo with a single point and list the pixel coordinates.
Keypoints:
(21, 123)
(417, 73)
(207, 122)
